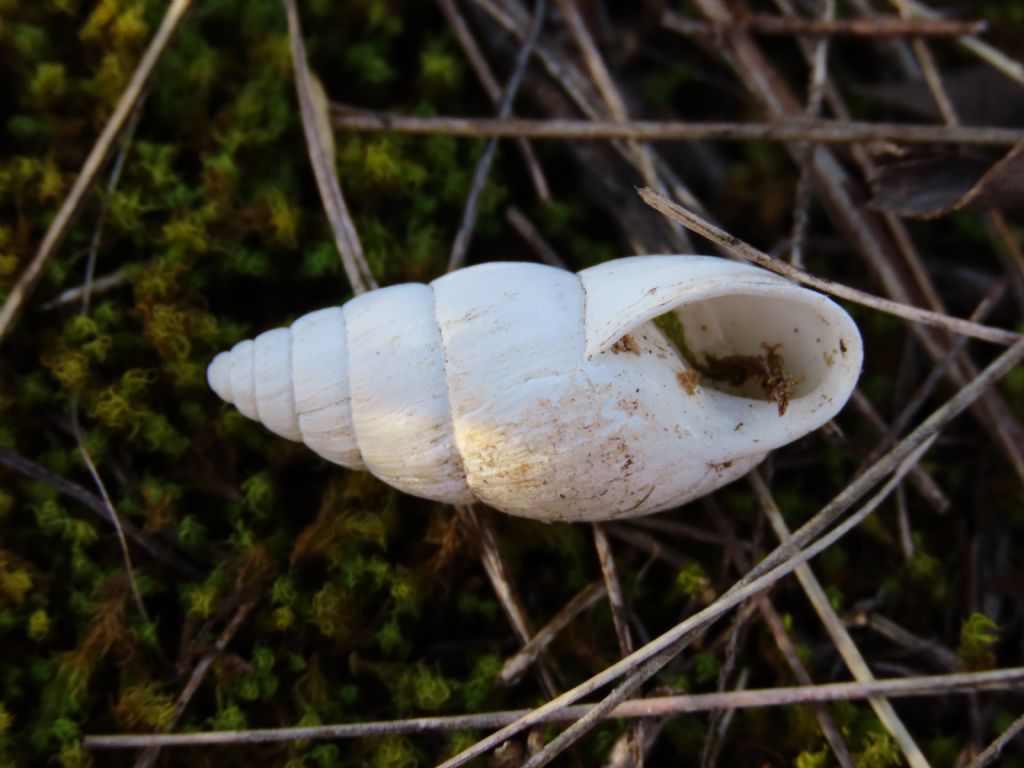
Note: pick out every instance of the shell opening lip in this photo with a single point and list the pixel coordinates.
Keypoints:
(804, 334)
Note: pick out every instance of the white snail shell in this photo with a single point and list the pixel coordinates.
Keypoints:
(504, 383)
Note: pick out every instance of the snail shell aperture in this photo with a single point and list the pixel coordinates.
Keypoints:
(554, 395)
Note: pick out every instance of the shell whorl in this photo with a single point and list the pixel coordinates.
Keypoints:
(295, 381)
(363, 385)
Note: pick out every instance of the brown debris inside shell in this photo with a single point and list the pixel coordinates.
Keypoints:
(768, 370)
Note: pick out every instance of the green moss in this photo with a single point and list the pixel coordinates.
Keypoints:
(881, 751)
(395, 753)
(706, 667)
(692, 580)
(979, 636)
(809, 759)
(144, 705)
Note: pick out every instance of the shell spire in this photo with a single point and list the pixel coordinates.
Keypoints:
(256, 376)
(218, 376)
(295, 382)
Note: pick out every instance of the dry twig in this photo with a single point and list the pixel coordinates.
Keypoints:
(815, 96)
(734, 245)
(924, 482)
(98, 285)
(490, 84)
(876, 26)
(840, 637)
(347, 118)
(515, 666)
(152, 751)
(483, 167)
(320, 143)
(614, 588)
(533, 237)
(97, 158)
(987, 53)
(112, 516)
(992, 752)
(785, 644)
(97, 506)
(662, 706)
(890, 630)
(504, 589)
(634, 740)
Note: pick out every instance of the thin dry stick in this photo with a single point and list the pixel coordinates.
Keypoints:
(987, 53)
(97, 286)
(348, 118)
(490, 84)
(320, 143)
(661, 706)
(831, 731)
(762, 259)
(992, 752)
(905, 530)
(602, 79)
(533, 237)
(635, 735)
(516, 665)
(150, 754)
(780, 634)
(815, 96)
(647, 660)
(101, 219)
(719, 728)
(611, 581)
(929, 68)
(890, 630)
(94, 246)
(599, 73)
(877, 26)
(97, 506)
(720, 720)
(653, 546)
(929, 489)
(112, 515)
(483, 167)
(840, 637)
(917, 400)
(497, 573)
(97, 158)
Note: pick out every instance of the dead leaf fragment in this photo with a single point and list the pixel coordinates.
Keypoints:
(980, 94)
(927, 187)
